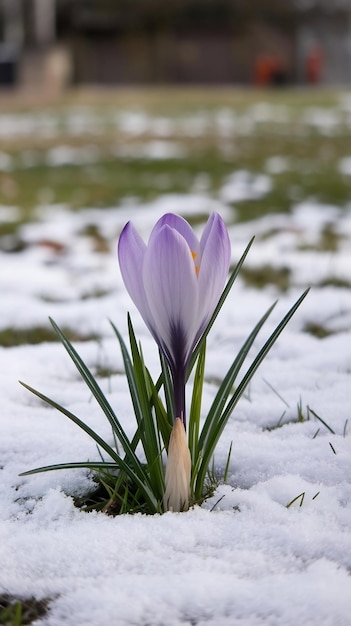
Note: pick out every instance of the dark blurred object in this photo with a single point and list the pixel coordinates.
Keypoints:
(206, 41)
(270, 71)
(8, 65)
(178, 41)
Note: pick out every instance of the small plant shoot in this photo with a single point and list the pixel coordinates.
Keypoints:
(179, 284)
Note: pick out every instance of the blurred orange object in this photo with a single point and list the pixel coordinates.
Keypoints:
(314, 65)
(269, 70)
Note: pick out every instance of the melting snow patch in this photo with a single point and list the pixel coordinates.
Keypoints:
(69, 155)
(156, 150)
(5, 162)
(243, 185)
(345, 166)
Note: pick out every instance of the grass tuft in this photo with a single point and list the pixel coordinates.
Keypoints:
(300, 497)
(16, 611)
(265, 275)
(10, 337)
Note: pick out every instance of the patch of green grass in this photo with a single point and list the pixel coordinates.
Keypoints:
(104, 497)
(8, 228)
(334, 281)
(329, 240)
(100, 242)
(109, 180)
(21, 611)
(265, 275)
(312, 156)
(15, 337)
(318, 330)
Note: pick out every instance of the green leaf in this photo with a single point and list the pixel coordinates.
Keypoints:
(226, 386)
(195, 408)
(166, 380)
(216, 427)
(141, 394)
(76, 420)
(136, 474)
(129, 370)
(163, 423)
(98, 395)
(263, 352)
(93, 465)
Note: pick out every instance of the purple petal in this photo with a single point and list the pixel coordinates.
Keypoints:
(131, 254)
(215, 260)
(181, 226)
(171, 287)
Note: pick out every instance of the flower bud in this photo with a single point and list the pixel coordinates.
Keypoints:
(178, 470)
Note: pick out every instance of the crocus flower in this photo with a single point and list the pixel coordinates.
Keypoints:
(176, 281)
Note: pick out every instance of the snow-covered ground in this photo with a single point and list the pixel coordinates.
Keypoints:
(249, 561)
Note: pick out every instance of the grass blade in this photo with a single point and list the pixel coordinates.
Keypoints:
(163, 423)
(149, 435)
(129, 370)
(321, 420)
(141, 394)
(101, 465)
(100, 442)
(136, 474)
(96, 391)
(264, 351)
(166, 380)
(226, 469)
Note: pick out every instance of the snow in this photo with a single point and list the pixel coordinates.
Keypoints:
(157, 150)
(5, 162)
(277, 164)
(241, 185)
(345, 166)
(243, 558)
(63, 155)
(136, 123)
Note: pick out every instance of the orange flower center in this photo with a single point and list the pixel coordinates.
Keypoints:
(194, 255)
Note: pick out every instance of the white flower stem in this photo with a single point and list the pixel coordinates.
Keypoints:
(178, 470)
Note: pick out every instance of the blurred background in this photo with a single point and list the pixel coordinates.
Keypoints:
(145, 106)
(55, 43)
